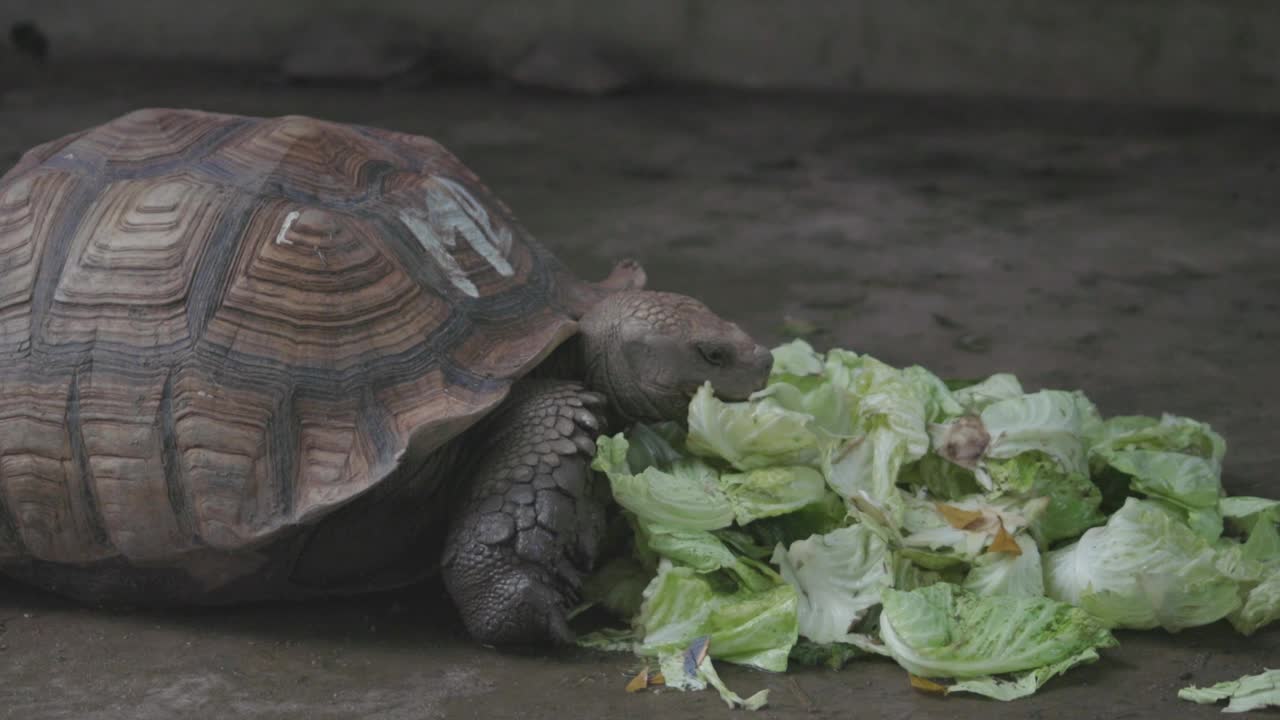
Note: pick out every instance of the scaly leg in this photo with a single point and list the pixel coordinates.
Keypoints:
(529, 525)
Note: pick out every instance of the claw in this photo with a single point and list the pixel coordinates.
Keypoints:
(558, 629)
(585, 444)
(586, 420)
(593, 399)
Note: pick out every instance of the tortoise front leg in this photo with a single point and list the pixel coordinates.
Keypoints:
(530, 522)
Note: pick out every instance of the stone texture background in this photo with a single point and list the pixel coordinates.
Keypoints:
(1222, 54)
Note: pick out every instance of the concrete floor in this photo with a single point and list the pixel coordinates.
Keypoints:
(1132, 255)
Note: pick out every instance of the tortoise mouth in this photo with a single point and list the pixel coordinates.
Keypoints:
(737, 383)
(741, 395)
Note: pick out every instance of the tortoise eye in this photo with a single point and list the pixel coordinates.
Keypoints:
(714, 355)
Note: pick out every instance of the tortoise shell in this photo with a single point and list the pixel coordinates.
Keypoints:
(214, 328)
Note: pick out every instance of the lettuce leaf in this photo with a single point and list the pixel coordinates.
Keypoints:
(1144, 569)
(682, 671)
(1255, 562)
(945, 631)
(888, 399)
(1188, 483)
(1261, 606)
(1251, 692)
(1174, 460)
(1008, 574)
(751, 434)
(747, 625)
(892, 415)
(908, 576)
(838, 577)
(610, 640)
(1169, 433)
(796, 358)
(939, 403)
(817, 518)
(654, 444)
(829, 408)
(1259, 518)
(1184, 480)
(1074, 500)
(618, 586)
(1246, 509)
(829, 655)
(686, 498)
(966, 527)
(697, 549)
(772, 491)
(1263, 543)
(1048, 421)
(865, 473)
(975, 398)
(1023, 684)
(941, 478)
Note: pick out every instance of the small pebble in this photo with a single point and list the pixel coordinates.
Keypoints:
(973, 343)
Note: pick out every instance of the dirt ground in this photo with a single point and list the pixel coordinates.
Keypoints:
(1133, 255)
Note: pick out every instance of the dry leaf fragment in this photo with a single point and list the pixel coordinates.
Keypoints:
(959, 517)
(657, 679)
(640, 681)
(926, 685)
(1004, 543)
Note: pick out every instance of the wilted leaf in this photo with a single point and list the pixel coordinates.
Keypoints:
(959, 518)
(1004, 543)
(926, 685)
(640, 681)
(961, 441)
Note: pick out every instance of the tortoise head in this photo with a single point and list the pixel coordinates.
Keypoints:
(649, 352)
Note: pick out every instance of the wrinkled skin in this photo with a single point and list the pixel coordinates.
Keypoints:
(531, 514)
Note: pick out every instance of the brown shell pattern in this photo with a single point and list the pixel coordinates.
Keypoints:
(215, 327)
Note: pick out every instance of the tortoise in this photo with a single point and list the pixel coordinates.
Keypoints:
(251, 359)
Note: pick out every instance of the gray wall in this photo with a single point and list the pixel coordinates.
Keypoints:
(1208, 53)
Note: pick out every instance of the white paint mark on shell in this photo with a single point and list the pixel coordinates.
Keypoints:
(457, 207)
(435, 245)
(452, 212)
(289, 220)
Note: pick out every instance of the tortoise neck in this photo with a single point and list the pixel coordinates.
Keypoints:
(582, 359)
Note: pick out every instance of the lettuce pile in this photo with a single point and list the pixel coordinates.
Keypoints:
(977, 534)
